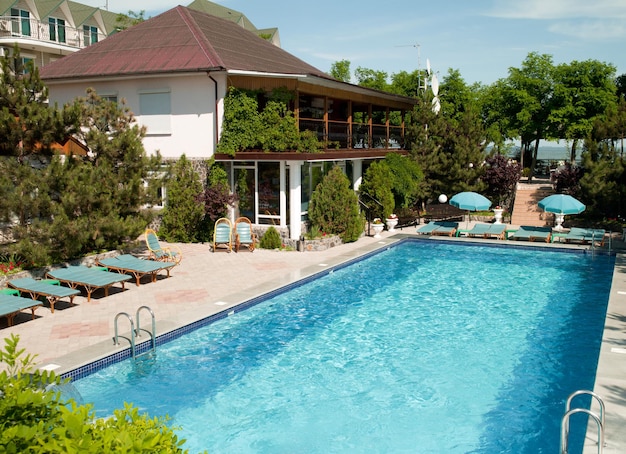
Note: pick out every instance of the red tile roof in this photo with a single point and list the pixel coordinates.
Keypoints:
(179, 40)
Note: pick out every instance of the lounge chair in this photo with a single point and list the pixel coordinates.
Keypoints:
(585, 236)
(136, 266)
(439, 228)
(532, 233)
(244, 234)
(48, 289)
(11, 305)
(223, 234)
(170, 253)
(479, 230)
(90, 278)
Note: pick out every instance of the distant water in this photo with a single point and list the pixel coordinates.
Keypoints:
(552, 153)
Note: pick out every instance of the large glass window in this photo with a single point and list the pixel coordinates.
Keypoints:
(244, 189)
(20, 22)
(269, 192)
(90, 35)
(57, 29)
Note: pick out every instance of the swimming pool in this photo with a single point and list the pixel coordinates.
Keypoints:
(425, 347)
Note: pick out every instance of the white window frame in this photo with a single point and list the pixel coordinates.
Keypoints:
(155, 109)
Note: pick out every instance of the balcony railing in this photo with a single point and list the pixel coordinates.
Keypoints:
(49, 33)
(360, 136)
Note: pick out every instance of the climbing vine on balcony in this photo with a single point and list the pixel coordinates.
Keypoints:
(272, 128)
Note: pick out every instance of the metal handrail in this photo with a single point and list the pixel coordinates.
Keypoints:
(153, 333)
(599, 419)
(132, 332)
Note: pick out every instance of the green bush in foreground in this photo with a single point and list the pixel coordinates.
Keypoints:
(35, 419)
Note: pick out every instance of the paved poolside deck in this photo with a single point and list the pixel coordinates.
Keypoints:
(206, 283)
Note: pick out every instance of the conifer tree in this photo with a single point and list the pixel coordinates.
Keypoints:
(183, 213)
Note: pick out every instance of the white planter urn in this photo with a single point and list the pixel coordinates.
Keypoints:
(558, 220)
(378, 228)
(497, 212)
(391, 224)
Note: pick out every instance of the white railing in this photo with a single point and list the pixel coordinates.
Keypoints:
(18, 27)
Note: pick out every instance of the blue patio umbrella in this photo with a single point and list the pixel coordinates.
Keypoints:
(561, 204)
(470, 201)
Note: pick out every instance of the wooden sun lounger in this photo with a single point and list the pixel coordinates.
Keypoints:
(90, 278)
(130, 264)
(532, 233)
(445, 228)
(488, 231)
(41, 288)
(12, 305)
(585, 236)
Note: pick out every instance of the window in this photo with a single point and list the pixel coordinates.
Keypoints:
(20, 22)
(109, 97)
(90, 35)
(57, 29)
(22, 64)
(155, 110)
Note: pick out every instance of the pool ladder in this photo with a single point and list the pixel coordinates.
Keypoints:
(136, 332)
(599, 420)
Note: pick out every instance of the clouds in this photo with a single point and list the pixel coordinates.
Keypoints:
(559, 9)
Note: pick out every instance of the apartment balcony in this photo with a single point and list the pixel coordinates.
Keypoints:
(46, 36)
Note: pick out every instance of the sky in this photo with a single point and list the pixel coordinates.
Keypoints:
(481, 39)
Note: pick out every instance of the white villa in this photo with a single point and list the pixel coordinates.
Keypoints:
(174, 71)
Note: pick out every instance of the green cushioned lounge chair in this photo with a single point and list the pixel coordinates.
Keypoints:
(479, 230)
(136, 266)
(585, 236)
(49, 290)
(223, 234)
(170, 253)
(12, 305)
(244, 234)
(532, 233)
(89, 278)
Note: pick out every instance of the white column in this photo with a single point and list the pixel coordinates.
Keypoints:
(283, 194)
(295, 199)
(357, 173)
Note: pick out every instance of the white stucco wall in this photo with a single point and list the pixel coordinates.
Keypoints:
(193, 127)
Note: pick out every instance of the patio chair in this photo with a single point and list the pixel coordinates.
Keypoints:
(11, 305)
(138, 267)
(170, 253)
(51, 290)
(223, 234)
(244, 234)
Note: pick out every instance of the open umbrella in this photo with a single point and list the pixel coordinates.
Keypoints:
(470, 201)
(560, 205)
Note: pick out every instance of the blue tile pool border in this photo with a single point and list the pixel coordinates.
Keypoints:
(145, 346)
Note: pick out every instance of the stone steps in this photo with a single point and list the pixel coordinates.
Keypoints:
(525, 209)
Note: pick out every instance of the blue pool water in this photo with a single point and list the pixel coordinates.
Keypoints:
(425, 347)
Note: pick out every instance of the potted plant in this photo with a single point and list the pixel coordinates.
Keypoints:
(378, 226)
(391, 221)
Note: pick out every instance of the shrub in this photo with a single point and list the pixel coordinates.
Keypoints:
(271, 239)
(334, 207)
